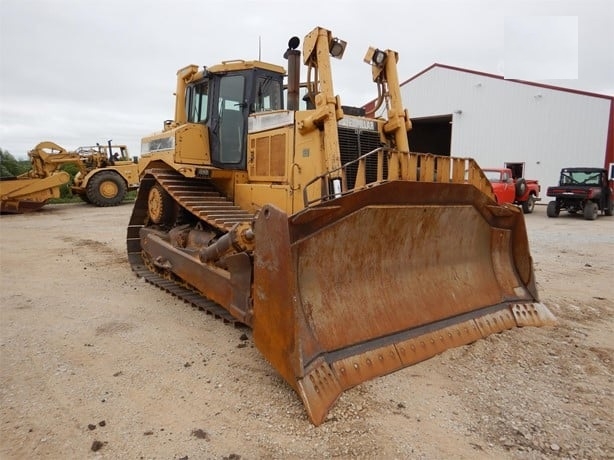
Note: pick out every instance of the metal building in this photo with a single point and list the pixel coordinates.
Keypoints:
(461, 112)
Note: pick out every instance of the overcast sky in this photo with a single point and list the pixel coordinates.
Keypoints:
(78, 72)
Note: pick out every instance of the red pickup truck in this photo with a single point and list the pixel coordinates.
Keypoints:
(520, 191)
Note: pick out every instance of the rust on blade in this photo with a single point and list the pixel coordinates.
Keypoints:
(382, 279)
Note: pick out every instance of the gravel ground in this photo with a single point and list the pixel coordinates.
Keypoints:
(96, 363)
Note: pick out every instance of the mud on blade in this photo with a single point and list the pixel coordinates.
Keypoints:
(383, 278)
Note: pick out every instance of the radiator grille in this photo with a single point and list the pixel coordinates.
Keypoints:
(354, 142)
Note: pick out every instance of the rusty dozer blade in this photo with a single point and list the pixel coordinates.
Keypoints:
(383, 278)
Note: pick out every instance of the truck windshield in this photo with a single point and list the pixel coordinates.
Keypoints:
(580, 178)
(493, 176)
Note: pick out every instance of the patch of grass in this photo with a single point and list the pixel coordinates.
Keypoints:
(65, 199)
(130, 197)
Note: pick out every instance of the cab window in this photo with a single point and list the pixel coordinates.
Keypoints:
(231, 119)
(196, 102)
(268, 94)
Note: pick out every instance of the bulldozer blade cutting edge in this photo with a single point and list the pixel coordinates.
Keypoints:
(383, 278)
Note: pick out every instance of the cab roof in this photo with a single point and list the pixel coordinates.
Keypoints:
(240, 64)
(579, 168)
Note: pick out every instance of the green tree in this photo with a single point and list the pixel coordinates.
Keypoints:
(71, 169)
(9, 166)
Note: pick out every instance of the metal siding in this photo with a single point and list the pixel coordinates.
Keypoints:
(505, 121)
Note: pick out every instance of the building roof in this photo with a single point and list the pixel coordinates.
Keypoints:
(500, 77)
(609, 153)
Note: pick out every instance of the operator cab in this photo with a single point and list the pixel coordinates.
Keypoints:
(223, 99)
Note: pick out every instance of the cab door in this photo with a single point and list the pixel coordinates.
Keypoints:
(228, 125)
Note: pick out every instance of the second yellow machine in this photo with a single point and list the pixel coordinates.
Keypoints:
(104, 175)
(349, 256)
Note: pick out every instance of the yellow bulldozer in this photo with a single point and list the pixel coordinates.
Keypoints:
(105, 174)
(349, 256)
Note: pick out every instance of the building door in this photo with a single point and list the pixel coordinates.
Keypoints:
(431, 135)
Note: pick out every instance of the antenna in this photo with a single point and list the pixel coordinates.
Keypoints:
(259, 48)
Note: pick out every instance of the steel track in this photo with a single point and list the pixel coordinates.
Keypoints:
(198, 197)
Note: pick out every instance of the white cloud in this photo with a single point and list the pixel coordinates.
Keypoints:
(80, 72)
(541, 47)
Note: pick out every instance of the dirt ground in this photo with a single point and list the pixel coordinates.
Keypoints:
(96, 363)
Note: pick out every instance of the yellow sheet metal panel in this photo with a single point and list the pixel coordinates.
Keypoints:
(254, 196)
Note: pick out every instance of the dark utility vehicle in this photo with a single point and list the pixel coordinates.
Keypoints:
(583, 190)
